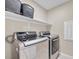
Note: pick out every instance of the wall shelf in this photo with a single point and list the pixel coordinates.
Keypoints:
(17, 17)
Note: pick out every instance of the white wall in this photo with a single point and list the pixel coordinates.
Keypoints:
(39, 12)
(56, 17)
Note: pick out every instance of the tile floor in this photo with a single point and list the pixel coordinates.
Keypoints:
(64, 57)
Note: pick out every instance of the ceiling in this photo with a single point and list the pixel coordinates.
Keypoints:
(48, 4)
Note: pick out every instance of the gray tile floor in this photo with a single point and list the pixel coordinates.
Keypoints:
(64, 57)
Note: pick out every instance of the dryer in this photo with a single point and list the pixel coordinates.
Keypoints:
(53, 43)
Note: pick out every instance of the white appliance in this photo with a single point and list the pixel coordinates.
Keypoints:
(35, 48)
(54, 47)
(53, 44)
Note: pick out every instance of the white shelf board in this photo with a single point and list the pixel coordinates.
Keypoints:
(17, 17)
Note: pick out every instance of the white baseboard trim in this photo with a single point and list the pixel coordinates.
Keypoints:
(66, 55)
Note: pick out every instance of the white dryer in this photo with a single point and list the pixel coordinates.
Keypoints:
(54, 46)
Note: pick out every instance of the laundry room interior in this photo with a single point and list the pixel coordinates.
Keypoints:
(38, 29)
